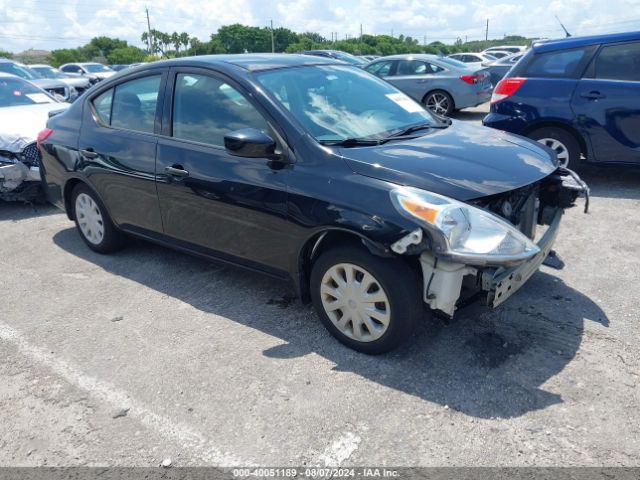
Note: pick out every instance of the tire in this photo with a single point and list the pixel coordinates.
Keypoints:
(562, 142)
(390, 281)
(442, 98)
(93, 222)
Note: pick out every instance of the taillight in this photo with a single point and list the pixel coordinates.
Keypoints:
(471, 79)
(505, 88)
(43, 135)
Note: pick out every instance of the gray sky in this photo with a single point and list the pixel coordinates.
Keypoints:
(51, 24)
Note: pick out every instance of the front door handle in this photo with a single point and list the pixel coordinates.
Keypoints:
(594, 95)
(89, 153)
(177, 171)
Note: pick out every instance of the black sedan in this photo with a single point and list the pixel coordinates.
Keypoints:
(311, 170)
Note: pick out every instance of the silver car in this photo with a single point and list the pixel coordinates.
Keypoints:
(47, 71)
(441, 84)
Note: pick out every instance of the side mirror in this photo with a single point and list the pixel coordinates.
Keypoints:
(250, 142)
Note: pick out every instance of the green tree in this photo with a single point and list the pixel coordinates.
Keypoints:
(66, 55)
(126, 55)
(101, 47)
(5, 54)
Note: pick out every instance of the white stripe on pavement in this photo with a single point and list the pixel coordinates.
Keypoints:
(192, 441)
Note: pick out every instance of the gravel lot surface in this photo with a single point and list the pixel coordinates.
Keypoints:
(150, 354)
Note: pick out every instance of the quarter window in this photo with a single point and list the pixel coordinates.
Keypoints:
(205, 109)
(567, 63)
(619, 62)
(102, 105)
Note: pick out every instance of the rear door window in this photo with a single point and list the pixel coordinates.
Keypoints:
(619, 62)
(416, 67)
(562, 64)
(135, 103)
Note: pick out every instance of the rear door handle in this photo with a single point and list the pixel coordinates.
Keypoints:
(177, 171)
(593, 95)
(89, 153)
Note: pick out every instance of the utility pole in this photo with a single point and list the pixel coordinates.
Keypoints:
(149, 42)
(273, 43)
(361, 32)
(486, 34)
(392, 33)
(424, 41)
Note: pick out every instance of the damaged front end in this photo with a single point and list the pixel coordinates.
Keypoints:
(488, 247)
(20, 173)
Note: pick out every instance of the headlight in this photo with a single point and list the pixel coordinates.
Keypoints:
(462, 232)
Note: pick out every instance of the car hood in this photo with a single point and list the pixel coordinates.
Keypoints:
(19, 126)
(48, 83)
(463, 161)
(103, 75)
(81, 82)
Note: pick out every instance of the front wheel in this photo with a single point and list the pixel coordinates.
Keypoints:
(368, 303)
(439, 102)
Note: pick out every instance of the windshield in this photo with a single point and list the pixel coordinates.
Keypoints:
(14, 92)
(19, 71)
(49, 72)
(345, 57)
(95, 68)
(336, 103)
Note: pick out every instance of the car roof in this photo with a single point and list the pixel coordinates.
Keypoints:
(250, 61)
(576, 42)
(41, 65)
(410, 56)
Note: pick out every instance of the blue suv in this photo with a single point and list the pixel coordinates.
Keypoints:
(578, 96)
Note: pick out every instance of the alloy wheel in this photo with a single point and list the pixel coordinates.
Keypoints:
(562, 152)
(89, 219)
(355, 302)
(438, 103)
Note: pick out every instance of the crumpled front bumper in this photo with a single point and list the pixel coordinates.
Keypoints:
(505, 282)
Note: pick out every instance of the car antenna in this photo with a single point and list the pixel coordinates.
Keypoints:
(565, 30)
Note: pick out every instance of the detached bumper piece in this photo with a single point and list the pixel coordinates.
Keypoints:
(505, 282)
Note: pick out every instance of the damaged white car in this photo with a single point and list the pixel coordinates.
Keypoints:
(24, 110)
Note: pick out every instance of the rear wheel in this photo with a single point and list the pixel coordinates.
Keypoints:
(560, 141)
(368, 303)
(439, 102)
(93, 222)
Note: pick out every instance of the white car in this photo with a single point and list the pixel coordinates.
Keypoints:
(92, 70)
(24, 110)
(474, 59)
(506, 48)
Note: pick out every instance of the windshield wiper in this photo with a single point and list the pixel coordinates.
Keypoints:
(409, 130)
(351, 142)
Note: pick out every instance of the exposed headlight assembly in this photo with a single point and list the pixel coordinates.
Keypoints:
(462, 232)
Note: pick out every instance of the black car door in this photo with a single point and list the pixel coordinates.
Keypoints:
(231, 207)
(607, 103)
(118, 149)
